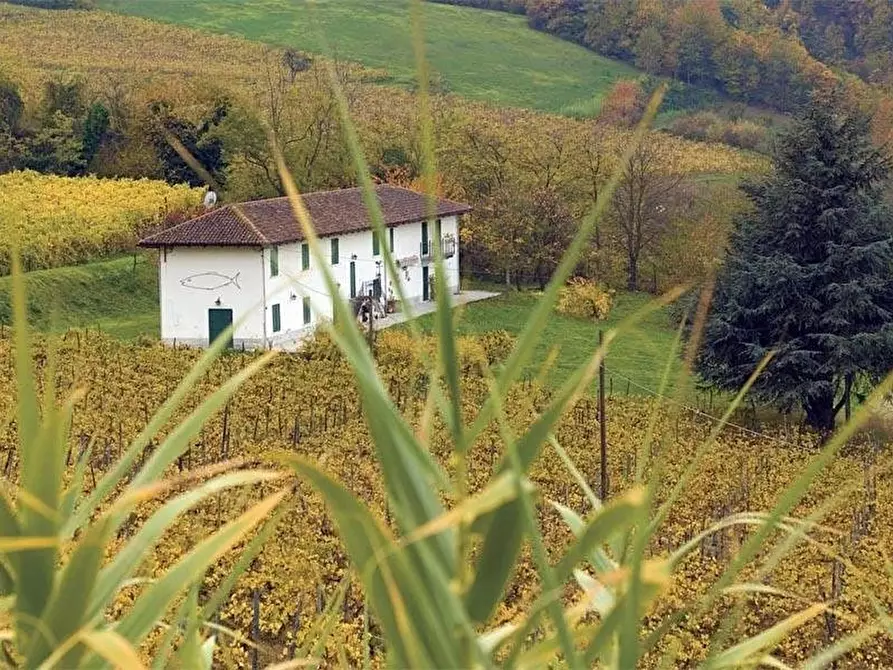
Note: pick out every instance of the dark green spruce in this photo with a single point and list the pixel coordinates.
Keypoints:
(809, 273)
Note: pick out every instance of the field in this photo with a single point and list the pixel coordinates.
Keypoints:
(287, 407)
(56, 221)
(482, 55)
(117, 296)
(107, 48)
(640, 356)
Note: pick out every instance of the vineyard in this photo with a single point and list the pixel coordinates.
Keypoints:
(287, 407)
(56, 221)
(36, 45)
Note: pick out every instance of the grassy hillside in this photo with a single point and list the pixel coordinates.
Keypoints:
(477, 54)
(119, 296)
(641, 355)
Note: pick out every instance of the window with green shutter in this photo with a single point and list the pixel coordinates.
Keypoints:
(334, 251)
(274, 261)
(376, 244)
(306, 311)
(277, 318)
(305, 257)
(391, 239)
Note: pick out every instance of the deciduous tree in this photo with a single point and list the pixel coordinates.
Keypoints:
(645, 202)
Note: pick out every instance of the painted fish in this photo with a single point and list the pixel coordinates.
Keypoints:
(210, 281)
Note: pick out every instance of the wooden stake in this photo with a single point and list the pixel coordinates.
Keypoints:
(602, 423)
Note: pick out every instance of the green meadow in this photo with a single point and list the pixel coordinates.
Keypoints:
(477, 54)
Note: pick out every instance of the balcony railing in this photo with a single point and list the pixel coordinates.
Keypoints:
(447, 246)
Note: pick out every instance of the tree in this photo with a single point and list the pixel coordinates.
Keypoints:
(11, 105)
(644, 204)
(96, 126)
(299, 110)
(53, 148)
(624, 104)
(809, 273)
(169, 132)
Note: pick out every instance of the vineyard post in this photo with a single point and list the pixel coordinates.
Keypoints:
(255, 628)
(601, 423)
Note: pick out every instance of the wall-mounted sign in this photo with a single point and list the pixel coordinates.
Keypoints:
(408, 262)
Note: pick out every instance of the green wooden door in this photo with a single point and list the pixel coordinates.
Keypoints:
(426, 284)
(218, 321)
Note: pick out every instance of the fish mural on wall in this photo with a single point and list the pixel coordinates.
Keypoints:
(210, 281)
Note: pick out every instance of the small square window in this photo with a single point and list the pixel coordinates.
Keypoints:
(277, 318)
(307, 314)
(305, 256)
(274, 261)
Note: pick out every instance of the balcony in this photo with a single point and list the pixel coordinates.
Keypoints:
(448, 246)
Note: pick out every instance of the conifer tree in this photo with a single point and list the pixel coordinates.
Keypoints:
(809, 273)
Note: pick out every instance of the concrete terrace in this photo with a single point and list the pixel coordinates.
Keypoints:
(418, 310)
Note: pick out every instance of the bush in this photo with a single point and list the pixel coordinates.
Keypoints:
(585, 298)
(497, 344)
(701, 126)
(747, 135)
(319, 347)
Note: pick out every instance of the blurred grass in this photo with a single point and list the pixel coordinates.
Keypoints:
(640, 354)
(478, 54)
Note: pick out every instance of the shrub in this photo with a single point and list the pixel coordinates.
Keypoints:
(700, 126)
(585, 298)
(624, 104)
(747, 135)
(497, 344)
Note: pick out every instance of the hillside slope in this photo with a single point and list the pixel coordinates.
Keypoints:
(482, 55)
(118, 296)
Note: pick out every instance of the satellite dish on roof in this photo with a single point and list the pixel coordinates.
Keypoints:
(210, 199)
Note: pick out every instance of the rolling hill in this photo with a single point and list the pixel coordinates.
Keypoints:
(477, 54)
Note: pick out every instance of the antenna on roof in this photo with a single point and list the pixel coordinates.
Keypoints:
(210, 199)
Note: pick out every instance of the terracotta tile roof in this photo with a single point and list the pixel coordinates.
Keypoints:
(267, 222)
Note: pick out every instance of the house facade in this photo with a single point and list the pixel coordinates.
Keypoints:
(248, 264)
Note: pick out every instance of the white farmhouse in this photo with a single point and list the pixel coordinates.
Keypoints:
(248, 265)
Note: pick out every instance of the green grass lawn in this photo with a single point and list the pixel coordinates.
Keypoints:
(641, 355)
(119, 296)
(478, 54)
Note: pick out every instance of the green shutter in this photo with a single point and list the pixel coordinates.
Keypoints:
(277, 319)
(376, 244)
(306, 310)
(334, 251)
(391, 239)
(438, 230)
(305, 257)
(274, 261)
(425, 251)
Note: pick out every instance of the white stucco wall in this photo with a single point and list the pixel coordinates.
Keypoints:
(184, 312)
(192, 279)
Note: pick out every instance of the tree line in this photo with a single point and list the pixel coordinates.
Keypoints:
(769, 53)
